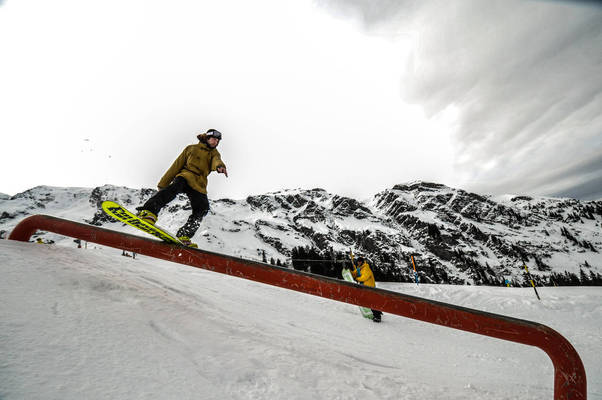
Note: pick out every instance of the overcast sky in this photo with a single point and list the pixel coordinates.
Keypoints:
(354, 96)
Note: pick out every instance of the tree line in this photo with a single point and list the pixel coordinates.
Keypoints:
(330, 263)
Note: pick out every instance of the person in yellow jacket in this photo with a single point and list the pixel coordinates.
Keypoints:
(364, 275)
(188, 174)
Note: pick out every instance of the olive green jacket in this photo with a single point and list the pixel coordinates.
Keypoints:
(194, 164)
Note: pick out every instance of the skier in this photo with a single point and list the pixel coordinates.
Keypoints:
(363, 274)
(188, 174)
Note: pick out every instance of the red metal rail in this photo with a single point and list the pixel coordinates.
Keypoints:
(569, 373)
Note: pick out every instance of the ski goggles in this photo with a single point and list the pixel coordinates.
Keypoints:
(214, 133)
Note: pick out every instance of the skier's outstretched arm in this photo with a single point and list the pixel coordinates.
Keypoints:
(218, 165)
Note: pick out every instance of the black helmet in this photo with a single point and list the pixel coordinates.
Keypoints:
(214, 133)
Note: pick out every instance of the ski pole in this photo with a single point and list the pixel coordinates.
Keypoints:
(415, 273)
(531, 280)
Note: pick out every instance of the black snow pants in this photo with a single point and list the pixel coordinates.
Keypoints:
(198, 201)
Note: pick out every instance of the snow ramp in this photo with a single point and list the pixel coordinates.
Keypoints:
(569, 372)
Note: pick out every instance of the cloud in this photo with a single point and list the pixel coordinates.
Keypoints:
(589, 190)
(524, 77)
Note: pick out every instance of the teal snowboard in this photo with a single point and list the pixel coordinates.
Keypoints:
(366, 312)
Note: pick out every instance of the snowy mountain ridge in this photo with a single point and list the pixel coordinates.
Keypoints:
(455, 236)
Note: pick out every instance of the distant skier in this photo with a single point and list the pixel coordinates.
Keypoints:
(363, 274)
(188, 174)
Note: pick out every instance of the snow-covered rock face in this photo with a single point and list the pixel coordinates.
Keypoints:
(455, 236)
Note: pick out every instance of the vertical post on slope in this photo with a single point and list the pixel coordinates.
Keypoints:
(531, 280)
(415, 273)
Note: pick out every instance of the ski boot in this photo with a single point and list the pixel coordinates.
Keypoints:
(147, 216)
(186, 242)
(377, 316)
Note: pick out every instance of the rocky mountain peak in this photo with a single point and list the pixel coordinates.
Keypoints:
(454, 235)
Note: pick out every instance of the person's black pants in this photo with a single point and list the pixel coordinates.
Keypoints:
(198, 201)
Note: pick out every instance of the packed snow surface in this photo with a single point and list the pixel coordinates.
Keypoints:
(92, 324)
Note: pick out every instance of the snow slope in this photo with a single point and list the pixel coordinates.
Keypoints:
(89, 323)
